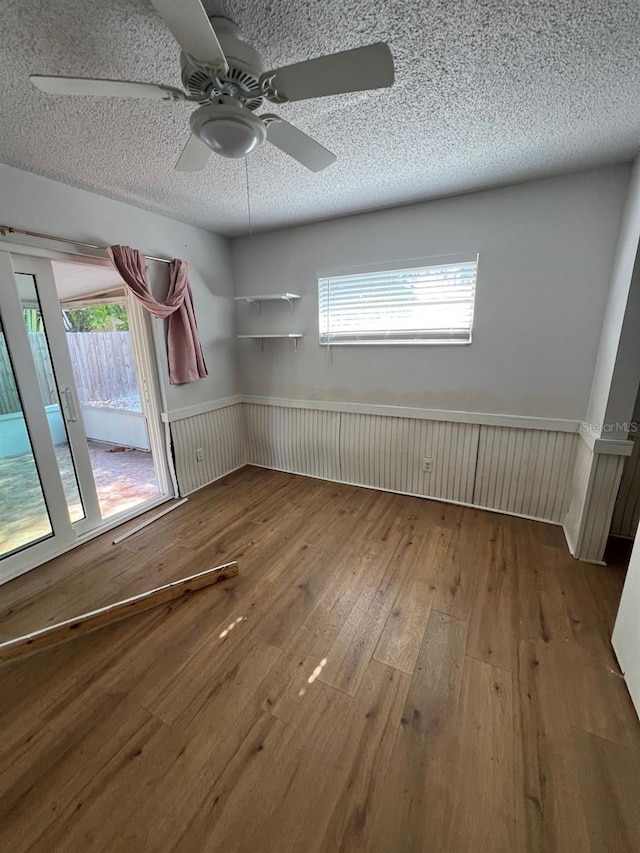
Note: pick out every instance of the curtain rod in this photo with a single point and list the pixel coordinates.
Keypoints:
(7, 229)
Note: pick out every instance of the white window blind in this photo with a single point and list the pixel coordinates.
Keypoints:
(421, 305)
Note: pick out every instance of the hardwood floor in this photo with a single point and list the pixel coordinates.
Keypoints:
(386, 674)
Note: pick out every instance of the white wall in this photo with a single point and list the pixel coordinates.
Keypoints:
(626, 633)
(38, 204)
(617, 371)
(546, 255)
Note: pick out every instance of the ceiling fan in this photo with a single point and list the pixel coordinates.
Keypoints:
(226, 77)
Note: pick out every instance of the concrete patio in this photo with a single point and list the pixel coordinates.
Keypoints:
(123, 480)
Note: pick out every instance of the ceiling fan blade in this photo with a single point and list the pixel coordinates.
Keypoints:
(357, 70)
(194, 156)
(105, 88)
(192, 29)
(297, 144)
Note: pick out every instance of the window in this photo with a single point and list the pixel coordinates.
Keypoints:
(430, 304)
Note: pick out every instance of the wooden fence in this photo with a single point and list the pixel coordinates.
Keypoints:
(102, 364)
(9, 398)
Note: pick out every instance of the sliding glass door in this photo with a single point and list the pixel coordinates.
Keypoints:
(81, 442)
(47, 490)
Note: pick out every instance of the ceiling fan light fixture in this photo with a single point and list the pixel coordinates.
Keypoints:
(227, 129)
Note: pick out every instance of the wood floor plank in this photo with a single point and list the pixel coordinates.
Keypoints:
(370, 734)
(212, 683)
(610, 783)
(463, 565)
(410, 813)
(361, 558)
(481, 811)
(490, 625)
(297, 601)
(537, 607)
(205, 777)
(38, 809)
(588, 626)
(401, 638)
(605, 587)
(549, 807)
(23, 737)
(288, 787)
(349, 655)
(597, 697)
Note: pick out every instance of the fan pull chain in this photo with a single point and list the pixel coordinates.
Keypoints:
(246, 171)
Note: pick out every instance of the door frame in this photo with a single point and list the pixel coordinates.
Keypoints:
(151, 397)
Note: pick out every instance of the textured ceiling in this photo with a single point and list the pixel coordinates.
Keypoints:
(74, 281)
(487, 92)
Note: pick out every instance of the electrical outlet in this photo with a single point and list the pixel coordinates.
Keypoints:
(199, 454)
(426, 464)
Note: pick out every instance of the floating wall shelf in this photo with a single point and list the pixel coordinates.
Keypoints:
(269, 297)
(294, 337)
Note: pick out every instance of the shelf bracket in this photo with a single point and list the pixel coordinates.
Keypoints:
(295, 345)
(255, 303)
(292, 304)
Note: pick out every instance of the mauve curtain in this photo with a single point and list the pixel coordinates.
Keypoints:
(186, 362)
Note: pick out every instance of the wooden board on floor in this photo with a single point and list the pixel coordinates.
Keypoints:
(111, 613)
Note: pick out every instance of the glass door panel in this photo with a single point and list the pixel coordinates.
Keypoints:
(33, 509)
(36, 286)
(103, 361)
(24, 517)
(50, 392)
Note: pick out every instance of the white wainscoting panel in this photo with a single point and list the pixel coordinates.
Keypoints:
(387, 453)
(626, 513)
(552, 475)
(596, 480)
(597, 523)
(302, 441)
(511, 469)
(524, 471)
(221, 435)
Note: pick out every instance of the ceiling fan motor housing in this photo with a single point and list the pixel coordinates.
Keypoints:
(241, 81)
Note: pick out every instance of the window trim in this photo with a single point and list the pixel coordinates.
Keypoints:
(393, 266)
